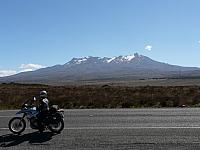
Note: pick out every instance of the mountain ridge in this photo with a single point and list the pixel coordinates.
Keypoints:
(90, 68)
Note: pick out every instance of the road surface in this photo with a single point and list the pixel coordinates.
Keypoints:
(117, 129)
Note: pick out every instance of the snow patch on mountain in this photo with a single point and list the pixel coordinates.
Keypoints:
(111, 59)
(79, 61)
(128, 58)
(119, 59)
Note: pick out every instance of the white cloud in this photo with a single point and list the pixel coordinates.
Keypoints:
(199, 41)
(4, 73)
(30, 67)
(23, 68)
(148, 47)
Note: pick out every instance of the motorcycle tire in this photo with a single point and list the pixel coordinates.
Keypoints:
(52, 128)
(13, 125)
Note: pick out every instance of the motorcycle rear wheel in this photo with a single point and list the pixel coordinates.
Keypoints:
(57, 127)
(17, 125)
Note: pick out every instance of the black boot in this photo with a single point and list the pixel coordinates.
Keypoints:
(40, 126)
(41, 130)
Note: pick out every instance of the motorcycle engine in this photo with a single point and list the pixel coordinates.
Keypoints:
(33, 123)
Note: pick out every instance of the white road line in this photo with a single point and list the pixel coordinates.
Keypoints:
(8, 110)
(8, 129)
(96, 128)
(7, 116)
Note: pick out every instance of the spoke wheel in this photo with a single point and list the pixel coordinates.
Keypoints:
(17, 125)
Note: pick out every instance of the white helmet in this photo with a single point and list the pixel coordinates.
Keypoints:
(43, 94)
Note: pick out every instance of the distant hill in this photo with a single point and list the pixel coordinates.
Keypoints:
(96, 68)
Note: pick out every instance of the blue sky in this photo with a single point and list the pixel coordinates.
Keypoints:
(38, 33)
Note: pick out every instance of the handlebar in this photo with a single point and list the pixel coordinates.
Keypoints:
(28, 103)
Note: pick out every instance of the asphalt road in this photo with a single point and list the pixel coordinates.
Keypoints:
(117, 129)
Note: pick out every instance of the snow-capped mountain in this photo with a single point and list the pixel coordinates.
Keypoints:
(96, 68)
(106, 60)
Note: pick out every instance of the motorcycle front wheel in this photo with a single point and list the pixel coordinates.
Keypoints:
(17, 125)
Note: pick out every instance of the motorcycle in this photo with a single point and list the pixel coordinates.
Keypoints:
(54, 121)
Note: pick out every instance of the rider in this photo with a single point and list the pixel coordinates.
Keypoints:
(43, 109)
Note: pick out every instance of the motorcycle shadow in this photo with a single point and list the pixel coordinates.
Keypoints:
(34, 138)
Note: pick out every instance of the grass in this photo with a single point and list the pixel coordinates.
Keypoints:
(12, 95)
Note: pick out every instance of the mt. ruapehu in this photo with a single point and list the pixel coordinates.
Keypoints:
(129, 67)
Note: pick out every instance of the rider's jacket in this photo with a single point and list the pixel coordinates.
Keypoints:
(44, 105)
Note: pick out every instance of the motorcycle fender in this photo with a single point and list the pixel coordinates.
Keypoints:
(60, 110)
